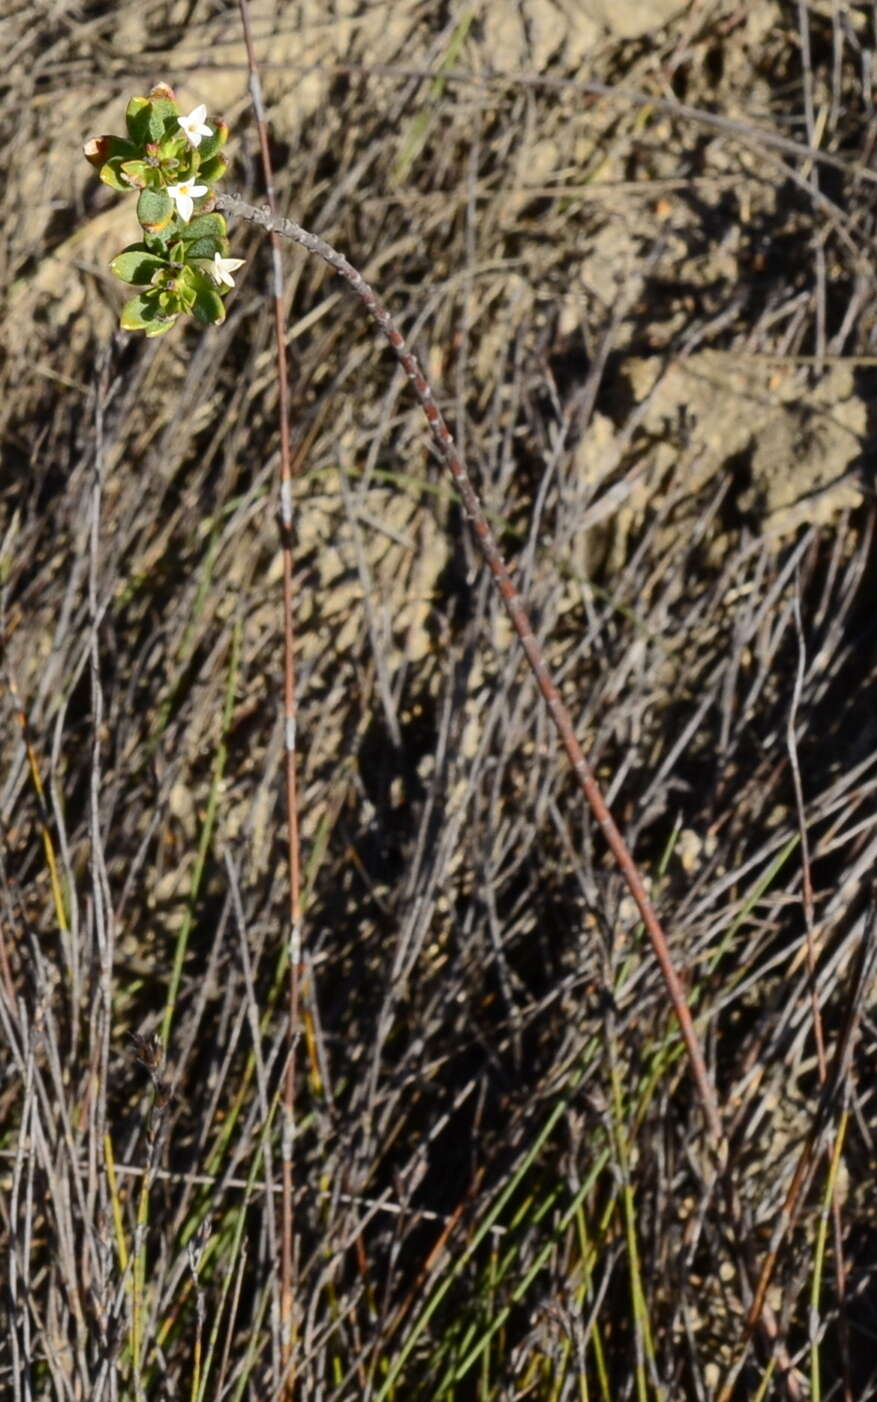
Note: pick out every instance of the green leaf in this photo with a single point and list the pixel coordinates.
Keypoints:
(208, 305)
(205, 235)
(160, 243)
(151, 119)
(140, 312)
(163, 119)
(211, 144)
(204, 226)
(155, 210)
(205, 248)
(137, 120)
(212, 170)
(170, 301)
(101, 148)
(185, 278)
(112, 174)
(107, 154)
(138, 174)
(173, 150)
(158, 328)
(150, 312)
(137, 265)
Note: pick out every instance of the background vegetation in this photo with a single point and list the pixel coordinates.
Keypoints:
(652, 332)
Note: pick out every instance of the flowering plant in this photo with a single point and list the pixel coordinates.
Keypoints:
(181, 263)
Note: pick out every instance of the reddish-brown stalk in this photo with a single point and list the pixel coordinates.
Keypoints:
(287, 1267)
(447, 449)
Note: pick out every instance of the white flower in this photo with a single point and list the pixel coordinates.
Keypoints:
(194, 126)
(221, 269)
(183, 195)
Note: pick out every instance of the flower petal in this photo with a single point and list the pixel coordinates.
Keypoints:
(224, 267)
(183, 195)
(194, 126)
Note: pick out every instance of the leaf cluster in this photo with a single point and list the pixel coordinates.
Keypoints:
(174, 265)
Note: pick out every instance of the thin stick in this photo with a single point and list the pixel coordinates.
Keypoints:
(441, 435)
(287, 1268)
(810, 929)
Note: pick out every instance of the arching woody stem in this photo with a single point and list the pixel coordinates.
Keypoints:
(230, 204)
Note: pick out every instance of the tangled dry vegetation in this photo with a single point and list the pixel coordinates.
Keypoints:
(653, 338)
